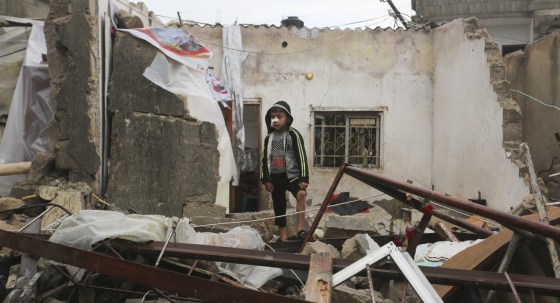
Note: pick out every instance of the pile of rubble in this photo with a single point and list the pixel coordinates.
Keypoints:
(62, 243)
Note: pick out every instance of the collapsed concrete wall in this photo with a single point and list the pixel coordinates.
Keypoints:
(536, 72)
(160, 159)
(71, 31)
(477, 126)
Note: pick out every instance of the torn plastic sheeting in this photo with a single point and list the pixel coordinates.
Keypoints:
(232, 70)
(435, 254)
(90, 226)
(177, 44)
(30, 113)
(182, 80)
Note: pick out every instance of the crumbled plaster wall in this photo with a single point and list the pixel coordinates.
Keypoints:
(536, 72)
(370, 69)
(71, 32)
(448, 118)
(161, 159)
(477, 126)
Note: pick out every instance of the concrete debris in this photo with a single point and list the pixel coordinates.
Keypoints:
(318, 247)
(358, 246)
(347, 294)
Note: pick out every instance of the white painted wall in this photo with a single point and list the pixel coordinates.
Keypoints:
(441, 122)
(468, 152)
(372, 69)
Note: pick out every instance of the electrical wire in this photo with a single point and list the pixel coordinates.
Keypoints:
(293, 272)
(535, 99)
(259, 52)
(362, 21)
(290, 214)
(17, 51)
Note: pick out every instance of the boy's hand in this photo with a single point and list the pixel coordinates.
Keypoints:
(303, 185)
(269, 187)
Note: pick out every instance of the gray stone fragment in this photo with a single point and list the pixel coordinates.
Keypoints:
(356, 247)
(72, 43)
(203, 205)
(317, 247)
(129, 89)
(347, 294)
(157, 162)
(264, 226)
(42, 165)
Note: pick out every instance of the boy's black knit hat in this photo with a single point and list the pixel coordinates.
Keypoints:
(283, 105)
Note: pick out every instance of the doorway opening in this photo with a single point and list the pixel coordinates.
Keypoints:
(246, 196)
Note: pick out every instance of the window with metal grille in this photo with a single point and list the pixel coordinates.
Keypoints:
(351, 137)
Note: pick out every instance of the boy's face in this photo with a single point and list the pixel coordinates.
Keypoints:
(278, 120)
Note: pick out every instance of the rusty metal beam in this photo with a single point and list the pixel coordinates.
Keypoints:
(498, 216)
(150, 276)
(416, 204)
(326, 202)
(445, 276)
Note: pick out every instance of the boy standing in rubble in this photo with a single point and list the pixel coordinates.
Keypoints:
(284, 166)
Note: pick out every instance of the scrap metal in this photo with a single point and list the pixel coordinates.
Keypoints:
(436, 275)
(150, 276)
(498, 216)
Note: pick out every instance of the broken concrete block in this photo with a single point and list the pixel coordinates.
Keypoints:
(47, 192)
(208, 220)
(357, 247)
(12, 278)
(201, 209)
(7, 203)
(317, 247)
(72, 37)
(126, 20)
(129, 89)
(265, 227)
(348, 226)
(17, 220)
(7, 226)
(42, 165)
(347, 294)
(71, 200)
(158, 161)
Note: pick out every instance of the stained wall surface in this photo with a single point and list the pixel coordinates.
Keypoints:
(474, 121)
(441, 120)
(535, 72)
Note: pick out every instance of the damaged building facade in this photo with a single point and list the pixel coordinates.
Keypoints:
(427, 123)
(405, 89)
(533, 74)
(512, 24)
(406, 86)
(424, 116)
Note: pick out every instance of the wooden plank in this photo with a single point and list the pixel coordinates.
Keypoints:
(17, 168)
(541, 208)
(477, 256)
(444, 232)
(319, 281)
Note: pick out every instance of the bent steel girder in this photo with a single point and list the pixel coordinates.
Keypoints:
(150, 276)
(436, 275)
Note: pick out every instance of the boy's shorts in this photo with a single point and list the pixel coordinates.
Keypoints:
(281, 185)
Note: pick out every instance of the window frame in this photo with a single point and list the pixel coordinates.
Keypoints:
(353, 113)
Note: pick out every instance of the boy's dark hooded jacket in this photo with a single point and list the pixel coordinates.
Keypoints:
(297, 143)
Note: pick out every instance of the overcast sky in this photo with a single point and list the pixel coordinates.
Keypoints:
(314, 13)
